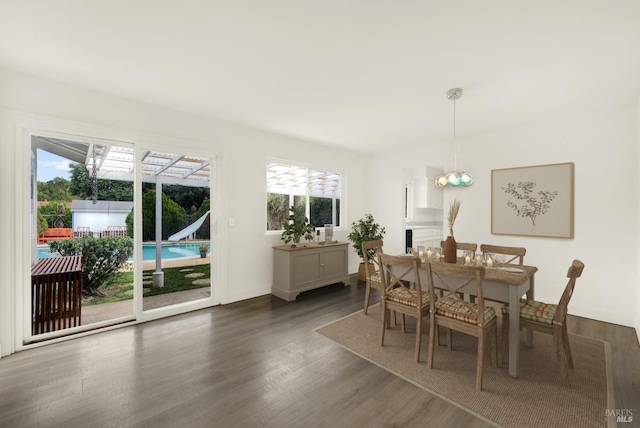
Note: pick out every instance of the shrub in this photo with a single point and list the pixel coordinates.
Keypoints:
(42, 224)
(101, 257)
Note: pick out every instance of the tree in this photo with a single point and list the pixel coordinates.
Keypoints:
(205, 231)
(108, 190)
(186, 196)
(56, 189)
(321, 211)
(50, 213)
(174, 217)
(277, 210)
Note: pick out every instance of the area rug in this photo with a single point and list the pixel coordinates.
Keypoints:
(536, 398)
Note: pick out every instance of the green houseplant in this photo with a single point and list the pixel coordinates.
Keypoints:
(365, 229)
(297, 227)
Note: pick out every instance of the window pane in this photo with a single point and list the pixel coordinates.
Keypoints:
(289, 184)
(320, 211)
(286, 184)
(324, 193)
(277, 210)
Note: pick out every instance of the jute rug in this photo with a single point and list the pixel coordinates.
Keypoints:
(535, 399)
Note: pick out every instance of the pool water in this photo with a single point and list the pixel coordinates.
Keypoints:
(169, 250)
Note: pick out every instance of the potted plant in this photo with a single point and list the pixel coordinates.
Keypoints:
(297, 227)
(365, 229)
(203, 250)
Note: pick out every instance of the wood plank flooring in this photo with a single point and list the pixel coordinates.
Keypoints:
(251, 363)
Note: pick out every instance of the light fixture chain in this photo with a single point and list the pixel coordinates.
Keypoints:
(455, 142)
(94, 178)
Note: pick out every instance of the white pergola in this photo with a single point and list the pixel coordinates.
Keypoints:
(294, 180)
(118, 163)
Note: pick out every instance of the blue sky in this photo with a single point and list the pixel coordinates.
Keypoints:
(51, 166)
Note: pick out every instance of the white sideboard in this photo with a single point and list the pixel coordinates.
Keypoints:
(308, 266)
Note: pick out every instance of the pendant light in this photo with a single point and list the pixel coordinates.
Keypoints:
(454, 178)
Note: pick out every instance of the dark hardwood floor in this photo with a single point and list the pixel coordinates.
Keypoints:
(251, 363)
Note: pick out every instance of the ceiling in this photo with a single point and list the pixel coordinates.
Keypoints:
(365, 75)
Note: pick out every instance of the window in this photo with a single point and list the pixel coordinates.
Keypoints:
(316, 190)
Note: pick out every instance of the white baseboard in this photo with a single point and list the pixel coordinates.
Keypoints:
(247, 294)
(613, 318)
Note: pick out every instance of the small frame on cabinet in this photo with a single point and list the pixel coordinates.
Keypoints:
(533, 201)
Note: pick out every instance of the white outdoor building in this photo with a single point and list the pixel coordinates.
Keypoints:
(100, 216)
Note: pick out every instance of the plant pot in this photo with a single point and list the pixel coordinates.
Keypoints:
(362, 272)
(449, 250)
(203, 254)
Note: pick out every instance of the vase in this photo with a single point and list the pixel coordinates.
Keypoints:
(449, 250)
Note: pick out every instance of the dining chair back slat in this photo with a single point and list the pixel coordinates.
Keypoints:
(465, 246)
(516, 253)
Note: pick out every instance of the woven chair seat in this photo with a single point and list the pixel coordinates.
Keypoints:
(535, 311)
(375, 277)
(408, 297)
(454, 308)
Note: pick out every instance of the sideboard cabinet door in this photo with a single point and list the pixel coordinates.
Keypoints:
(307, 267)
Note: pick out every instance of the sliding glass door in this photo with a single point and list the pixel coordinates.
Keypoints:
(176, 232)
(81, 253)
(93, 261)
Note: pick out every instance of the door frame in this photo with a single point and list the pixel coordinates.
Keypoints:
(27, 125)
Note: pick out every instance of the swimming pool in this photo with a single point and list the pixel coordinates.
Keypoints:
(170, 250)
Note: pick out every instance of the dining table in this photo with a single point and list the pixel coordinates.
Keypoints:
(506, 284)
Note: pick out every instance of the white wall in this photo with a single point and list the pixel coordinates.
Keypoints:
(98, 222)
(604, 148)
(638, 242)
(5, 227)
(248, 256)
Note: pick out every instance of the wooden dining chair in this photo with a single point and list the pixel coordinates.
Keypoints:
(549, 319)
(397, 274)
(512, 252)
(454, 313)
(464, 246)
(370, 251)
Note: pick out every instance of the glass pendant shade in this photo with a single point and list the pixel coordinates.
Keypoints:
(441, 181)
(466, 179)
(454, 178)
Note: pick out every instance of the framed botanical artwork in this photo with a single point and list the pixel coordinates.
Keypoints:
(533, 201)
